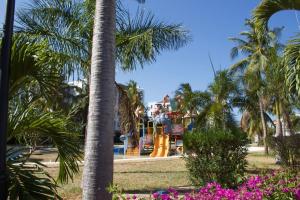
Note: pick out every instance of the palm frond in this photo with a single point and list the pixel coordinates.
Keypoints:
(292, 65)
(267, 8)
(29, 71)
(240, 66)
(234, 52)
(61, 25)
(140, 39)
(31, 127)
(28, 181)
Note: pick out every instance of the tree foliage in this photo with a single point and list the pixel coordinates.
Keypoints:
(261, 16)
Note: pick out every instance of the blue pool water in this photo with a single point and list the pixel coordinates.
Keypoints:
(118, 150)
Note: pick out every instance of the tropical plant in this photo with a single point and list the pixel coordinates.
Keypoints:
(261, 16)
(250, 120)
(129, 108)
(191, 102)
(281, 104)
(135, 95)
(217, 112)
(28, 181)
(67, 27)
(210, 158)
(257, 52)
(98, 168)
(33, 122)
(267, 8)
(63, 32)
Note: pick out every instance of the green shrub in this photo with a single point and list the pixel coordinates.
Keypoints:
(216, 155)
(287, 148)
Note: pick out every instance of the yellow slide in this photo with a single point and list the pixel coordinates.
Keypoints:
(161, 146)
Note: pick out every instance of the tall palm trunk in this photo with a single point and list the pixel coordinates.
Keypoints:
(264, 125)
(278, 124)
(98, 166)
(4, 88)
(288, 122)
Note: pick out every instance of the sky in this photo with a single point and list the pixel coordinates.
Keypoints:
(210, 23)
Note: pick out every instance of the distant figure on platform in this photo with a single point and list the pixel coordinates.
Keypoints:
(161, 118)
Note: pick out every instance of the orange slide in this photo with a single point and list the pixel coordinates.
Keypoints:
(161, 146)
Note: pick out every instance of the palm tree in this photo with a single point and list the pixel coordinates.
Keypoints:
(186, 94)
(257, 52)
(134, 94)
(217, 112)
(130, 105)
(261, 16)
(98, 168)
(65, 27)
(276, 90)
(248, 103)
(138, 39)
(267, 8)
(282, 104)
(191, 102)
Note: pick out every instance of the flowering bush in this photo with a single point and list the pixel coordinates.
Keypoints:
(278, 185)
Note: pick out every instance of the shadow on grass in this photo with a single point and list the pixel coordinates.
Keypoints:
(257, 171)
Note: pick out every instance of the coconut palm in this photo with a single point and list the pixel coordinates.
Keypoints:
(282, 104)
(250, 122)
(217, 113)
(257, 51)
(276, 91)
(130, 104)
(134, 94)
(267, 8)
(186, 94)
(190, 101)
(135, 97)
(261, 16)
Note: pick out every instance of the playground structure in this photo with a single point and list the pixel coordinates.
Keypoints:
(167, 142)
(153, 138)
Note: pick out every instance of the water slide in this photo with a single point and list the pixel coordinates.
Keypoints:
(161, 146)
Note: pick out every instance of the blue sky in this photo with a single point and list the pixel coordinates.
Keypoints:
(210, 23)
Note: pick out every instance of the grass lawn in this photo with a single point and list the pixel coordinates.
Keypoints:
(258, 161)
(144, 177)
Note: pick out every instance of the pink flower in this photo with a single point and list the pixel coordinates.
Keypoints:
(165, 197)
(285, 190)
(297, 194)
(156, 195)
(173, 192)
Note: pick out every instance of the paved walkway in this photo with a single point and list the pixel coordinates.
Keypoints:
(255, 149)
